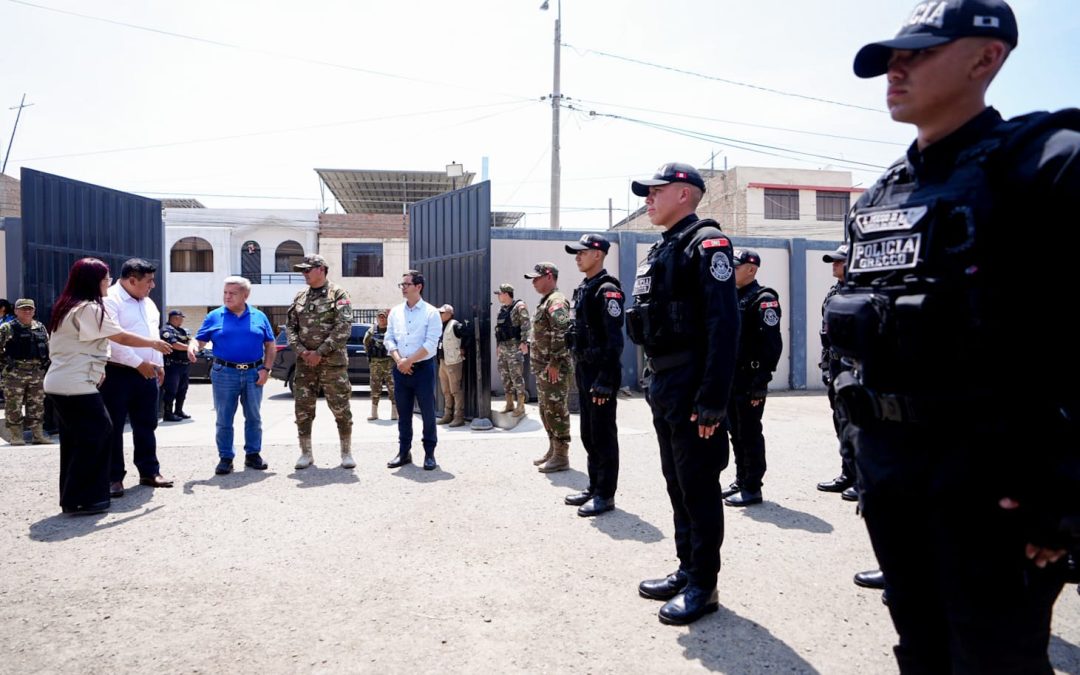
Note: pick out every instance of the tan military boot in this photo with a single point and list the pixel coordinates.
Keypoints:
(39, 436)
(16, 435)
(520, 409)
(393, 410)
(448, 412)
(509, 407)
(458, 422)
(374, 411)
(546, 456)
(347, 461)
(306, 459)
(560, 458)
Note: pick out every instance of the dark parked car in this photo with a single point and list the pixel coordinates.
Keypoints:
(200, 370)
(359, 375)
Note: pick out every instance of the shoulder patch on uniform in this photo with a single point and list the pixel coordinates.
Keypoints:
(716, 242)
(614, 308)
(771, 318)
(720, 267)
(613, 294)
(343, 301)
(770, 303)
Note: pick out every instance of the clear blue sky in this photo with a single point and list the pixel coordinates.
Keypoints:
(249, 96)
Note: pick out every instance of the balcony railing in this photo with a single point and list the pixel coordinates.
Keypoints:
(275, 278)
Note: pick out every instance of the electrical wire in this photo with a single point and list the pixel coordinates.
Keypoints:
(714, 78)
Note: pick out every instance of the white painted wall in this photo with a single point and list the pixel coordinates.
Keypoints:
(369, 292)
(227, 230)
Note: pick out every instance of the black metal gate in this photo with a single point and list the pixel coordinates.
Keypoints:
(450, 243)
(64, 220)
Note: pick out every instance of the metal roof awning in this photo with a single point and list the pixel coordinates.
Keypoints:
(181, 203)
(506, 218)
(380, 191)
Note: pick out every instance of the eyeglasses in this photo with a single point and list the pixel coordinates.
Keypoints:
(403, 284)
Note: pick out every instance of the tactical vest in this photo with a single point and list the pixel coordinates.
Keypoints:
(378, 348)
(27, 343)
(504, 329)
(749, 342)
(660, 320)
(911, 310)
(588, 333)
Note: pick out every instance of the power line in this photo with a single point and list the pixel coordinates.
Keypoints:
(721, 79)
(760, 148)
(253, 134)
(264, 52)
(745, 124)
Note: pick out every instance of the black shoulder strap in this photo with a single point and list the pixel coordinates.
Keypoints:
(762, 291)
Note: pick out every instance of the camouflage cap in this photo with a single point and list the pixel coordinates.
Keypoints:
(24, 302)
(540, 269)
(504, 288)
(382, 312)
(309, 261)
(446, 309)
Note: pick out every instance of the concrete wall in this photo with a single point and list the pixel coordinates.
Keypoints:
(370, 292)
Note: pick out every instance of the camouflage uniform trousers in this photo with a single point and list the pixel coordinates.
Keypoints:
(511, 362)
(22, 387)
(554, 408)
(334, 382)
(382, 373)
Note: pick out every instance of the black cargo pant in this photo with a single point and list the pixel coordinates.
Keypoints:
(962, 595)
(844, 435)
(747, 440)
(691, 467)
(176, 386)
(599, 433)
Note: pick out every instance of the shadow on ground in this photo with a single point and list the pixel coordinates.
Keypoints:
(712, 641)
(785, 518)
(62, 527)
(571, 479)
(417, 474)
(229, 481)
(1064, 656)
(619, 524)
(315, 476)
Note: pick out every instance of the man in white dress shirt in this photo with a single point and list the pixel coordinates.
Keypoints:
(133, 376)
(412, 336)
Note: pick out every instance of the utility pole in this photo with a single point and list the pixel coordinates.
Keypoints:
(556, 101)
(22, 104)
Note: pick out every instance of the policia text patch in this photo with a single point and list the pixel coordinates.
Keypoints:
(896, 253)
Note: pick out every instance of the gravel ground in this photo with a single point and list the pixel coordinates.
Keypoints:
(475, 566)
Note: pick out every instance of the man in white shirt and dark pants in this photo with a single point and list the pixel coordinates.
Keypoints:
(412, 336)
(133, 376)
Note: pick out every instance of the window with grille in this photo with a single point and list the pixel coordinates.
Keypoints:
(781, 204)
(287, 254)
(832, 205)
(192, 254)
(362, 260)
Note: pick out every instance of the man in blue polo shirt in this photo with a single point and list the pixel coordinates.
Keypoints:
(243, 351)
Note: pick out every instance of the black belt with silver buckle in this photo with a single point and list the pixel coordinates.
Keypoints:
(239, 366)
(659, 364)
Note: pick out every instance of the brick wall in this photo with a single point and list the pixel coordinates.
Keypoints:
(363, 225)
(10, 197)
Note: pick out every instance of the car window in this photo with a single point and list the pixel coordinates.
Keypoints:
(359, 330)
(282, 338)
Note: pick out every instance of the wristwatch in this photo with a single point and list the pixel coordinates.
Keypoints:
(264, 368)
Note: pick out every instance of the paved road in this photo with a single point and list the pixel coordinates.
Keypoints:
(477, 565)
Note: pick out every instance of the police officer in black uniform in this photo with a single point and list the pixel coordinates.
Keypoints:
(176, 367)
(686, 316)
(596, 340)
(760, 346)
(832, 365)
(969, 472)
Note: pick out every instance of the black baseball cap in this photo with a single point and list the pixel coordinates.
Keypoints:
(743, 256)
(839, 255)
(589, 242)
(672, 172)
(176, 312)
(936, 23)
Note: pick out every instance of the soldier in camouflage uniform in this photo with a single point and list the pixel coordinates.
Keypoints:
(380, 365)
(552, 365)
(318, 326)
(24, 344)
(511, 345)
